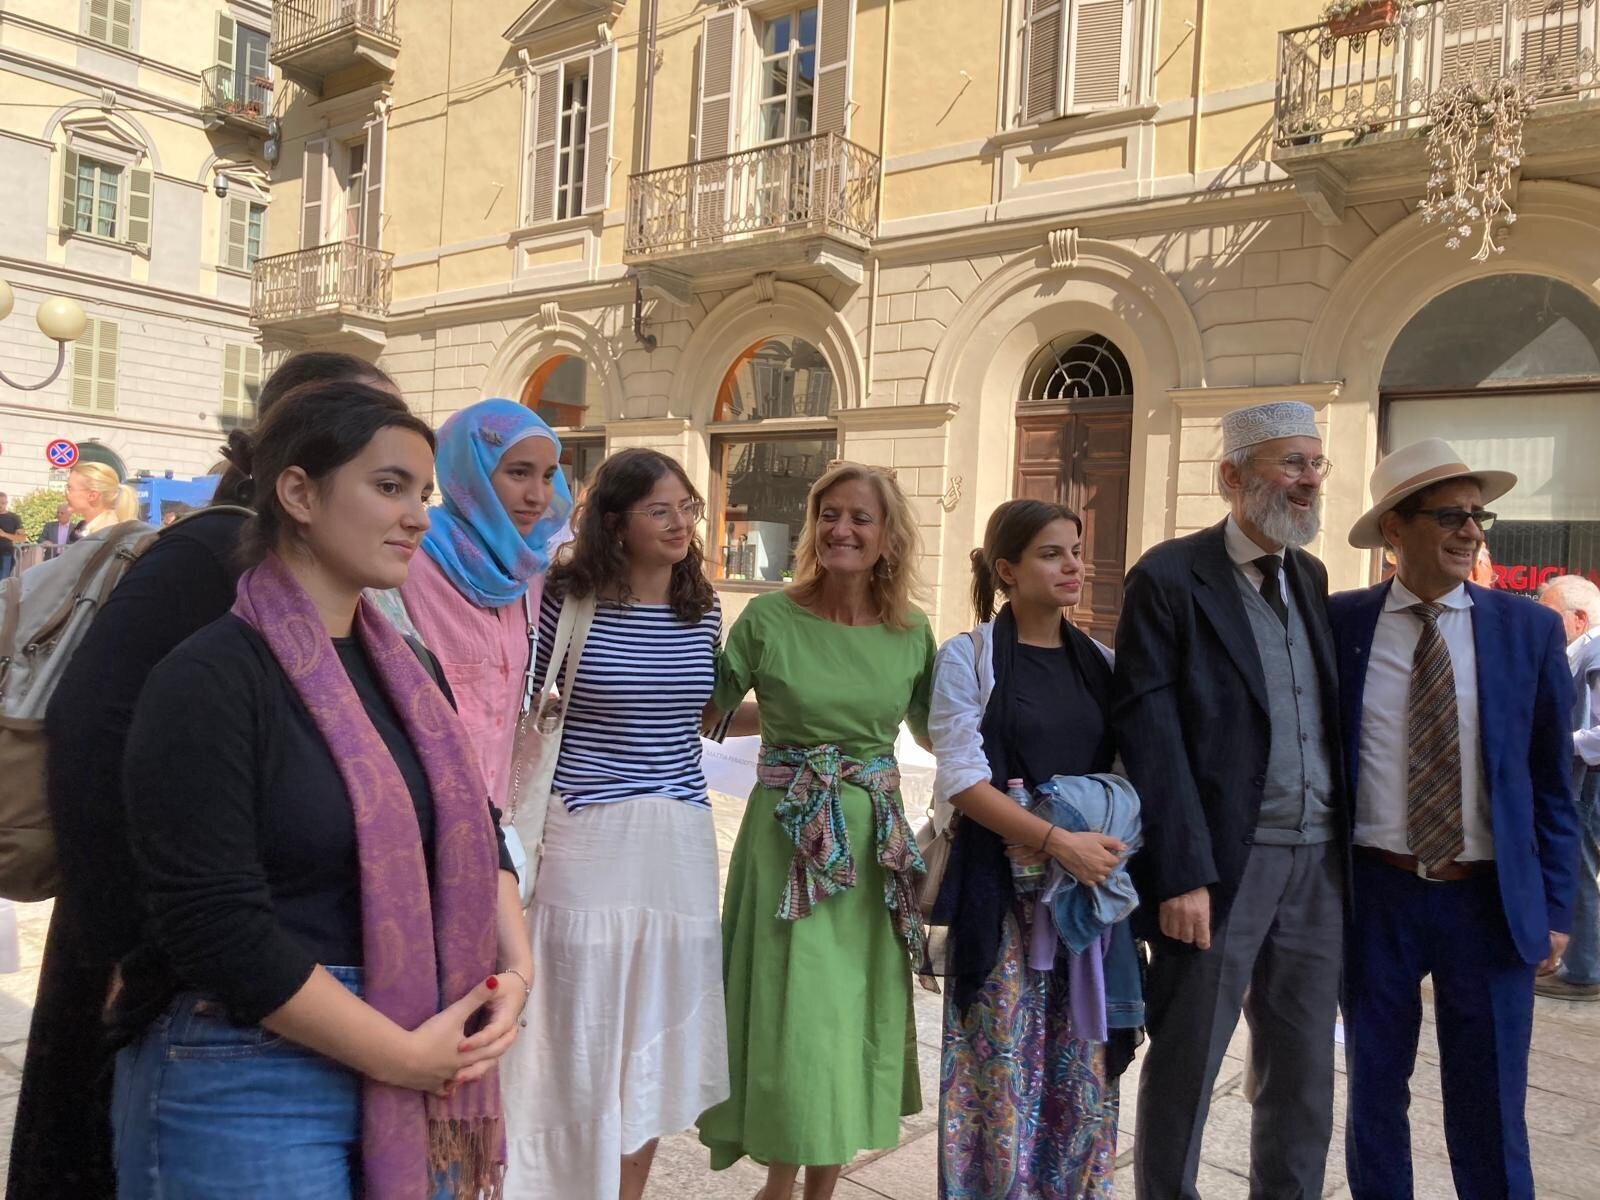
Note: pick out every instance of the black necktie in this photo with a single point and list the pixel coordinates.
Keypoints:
(1271, 590)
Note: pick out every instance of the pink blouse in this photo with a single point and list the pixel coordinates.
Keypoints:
(484, 652)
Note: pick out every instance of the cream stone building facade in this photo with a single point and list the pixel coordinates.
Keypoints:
(1004, 246)
(121, 123)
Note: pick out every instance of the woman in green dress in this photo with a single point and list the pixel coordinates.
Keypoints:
(820, 926)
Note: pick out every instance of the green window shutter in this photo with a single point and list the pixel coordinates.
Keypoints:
(232, 380)
(141, 183)
(122, 24)
(82, 391)
(250, 382)
(105, 368)
(236, 234)
(255, 233)
(69, 191)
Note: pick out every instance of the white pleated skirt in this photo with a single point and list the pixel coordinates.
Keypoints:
(626, 1038)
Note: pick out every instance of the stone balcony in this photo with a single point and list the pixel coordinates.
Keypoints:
(805, 205)
(327, 296)
(312, 39)
(1353, 96)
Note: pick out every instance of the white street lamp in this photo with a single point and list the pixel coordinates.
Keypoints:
(60, 319)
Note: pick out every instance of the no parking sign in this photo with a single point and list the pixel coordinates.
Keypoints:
(61, 453)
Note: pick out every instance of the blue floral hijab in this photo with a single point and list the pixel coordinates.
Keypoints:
(472, 537)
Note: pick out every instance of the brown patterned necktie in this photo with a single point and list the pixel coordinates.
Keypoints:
(1433, 773)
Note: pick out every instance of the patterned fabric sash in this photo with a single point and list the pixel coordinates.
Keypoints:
(811, 815)
(416, 945)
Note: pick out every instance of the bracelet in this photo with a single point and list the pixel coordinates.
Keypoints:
(1044, 846)
(527, 988)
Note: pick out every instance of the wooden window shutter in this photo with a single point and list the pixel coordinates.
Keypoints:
(1042, 46)
(372, 201)
(715, 114)
(105, 366)
(232, 380)
(1097, 56)
(542, 143)
(94, 367)
(141, 184)
(312, 179)
(249, 381)
(82, 392)
(836, 22)
(122, 24)
(69, 191)
(226, 33)
(597, 144)
(1552, 46)
(98, 25)
(236, 233)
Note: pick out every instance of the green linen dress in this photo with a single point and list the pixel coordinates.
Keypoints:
(821, 1040)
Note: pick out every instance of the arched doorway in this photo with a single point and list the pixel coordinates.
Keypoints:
(567, 397)
(1506, 368)
(1074, 444)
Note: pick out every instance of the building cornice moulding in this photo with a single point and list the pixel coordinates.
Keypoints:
(1215, 401)
(16, 271)
(79, 39)
(50, 408)
(894, 416)
(89, 85)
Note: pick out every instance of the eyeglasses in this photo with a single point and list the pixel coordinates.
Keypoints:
(1294, 465)
(1452, 519)
(666, 517)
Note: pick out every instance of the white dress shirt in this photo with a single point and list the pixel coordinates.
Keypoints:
(1586, 741)
(1382, 803)
(1242, 549)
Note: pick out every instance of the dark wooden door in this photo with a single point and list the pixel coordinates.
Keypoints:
(1077, 453)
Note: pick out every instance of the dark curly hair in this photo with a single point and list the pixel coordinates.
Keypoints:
(317, 427)
(595, 564)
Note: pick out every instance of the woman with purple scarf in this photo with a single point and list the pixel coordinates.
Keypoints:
(334, 959)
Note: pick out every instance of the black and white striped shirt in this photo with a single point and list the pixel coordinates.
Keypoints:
(633, 716)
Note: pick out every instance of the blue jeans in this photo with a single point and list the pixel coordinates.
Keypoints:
(1581, 962)
(203, 1109)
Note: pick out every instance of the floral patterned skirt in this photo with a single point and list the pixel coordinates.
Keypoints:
(1025, 1109)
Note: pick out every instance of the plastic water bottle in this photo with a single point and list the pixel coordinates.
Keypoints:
(1024, 878)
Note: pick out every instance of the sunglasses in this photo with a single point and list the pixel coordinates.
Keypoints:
(1452, 519)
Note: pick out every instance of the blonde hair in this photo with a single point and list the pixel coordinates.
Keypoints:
(117, 496)
(894, 583)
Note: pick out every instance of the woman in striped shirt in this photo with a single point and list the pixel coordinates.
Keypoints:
(626, 1036)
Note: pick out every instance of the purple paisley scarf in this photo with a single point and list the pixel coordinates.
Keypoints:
(417, 947)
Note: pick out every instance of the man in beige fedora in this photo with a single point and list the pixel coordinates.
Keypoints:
(1455, 702)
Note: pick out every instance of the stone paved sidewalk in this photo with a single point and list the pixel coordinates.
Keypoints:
(1563, 1104)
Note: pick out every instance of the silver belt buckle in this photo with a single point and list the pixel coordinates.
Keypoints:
(1422, 873)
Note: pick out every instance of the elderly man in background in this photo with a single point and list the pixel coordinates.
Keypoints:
(1226, 711)
(1577, 601)
(1455, 706)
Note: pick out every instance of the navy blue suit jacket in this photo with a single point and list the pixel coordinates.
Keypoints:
(1524, 715)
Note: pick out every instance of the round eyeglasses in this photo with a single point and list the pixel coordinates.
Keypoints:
(666, 516)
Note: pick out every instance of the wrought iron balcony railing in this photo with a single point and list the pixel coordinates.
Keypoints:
(234, 93)
(297, 24)
(1379, 73)
(822, 183)
(343, 278)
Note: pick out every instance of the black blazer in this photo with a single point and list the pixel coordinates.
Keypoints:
(1190, 709)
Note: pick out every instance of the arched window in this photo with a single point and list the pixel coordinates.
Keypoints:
(567, 397)
(1077, 369)
(762, 475)
(1507, 370)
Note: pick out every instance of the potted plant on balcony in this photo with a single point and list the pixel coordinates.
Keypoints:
(1348, 17)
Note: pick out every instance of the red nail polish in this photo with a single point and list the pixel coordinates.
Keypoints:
(491, 983)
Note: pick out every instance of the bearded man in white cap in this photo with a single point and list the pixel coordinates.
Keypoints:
(1456, 704)
(1226, 714)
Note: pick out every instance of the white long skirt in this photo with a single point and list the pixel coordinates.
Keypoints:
(626, 1038)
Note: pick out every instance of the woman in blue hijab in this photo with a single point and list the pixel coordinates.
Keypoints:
(473, 593)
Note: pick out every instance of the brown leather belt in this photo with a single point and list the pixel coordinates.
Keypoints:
(1449, 873)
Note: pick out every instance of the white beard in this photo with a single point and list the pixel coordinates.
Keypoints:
(1268, 509)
